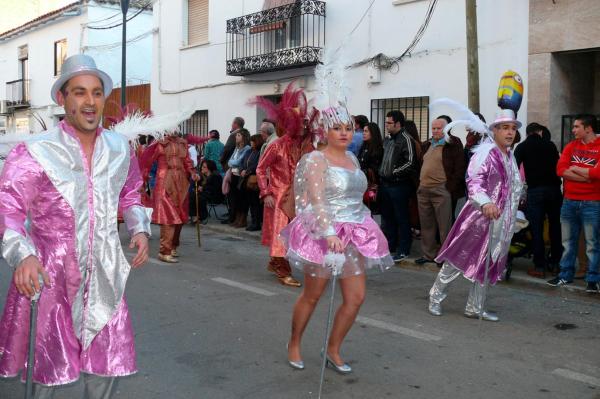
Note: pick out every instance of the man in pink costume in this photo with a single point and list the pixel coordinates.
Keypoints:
(275, 174)
(70, 181)
(495, 187)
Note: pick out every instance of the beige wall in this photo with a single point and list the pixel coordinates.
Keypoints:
(564, 60)
(563, 25)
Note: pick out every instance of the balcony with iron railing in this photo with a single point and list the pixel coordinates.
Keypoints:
(17, 93)
(284, 37)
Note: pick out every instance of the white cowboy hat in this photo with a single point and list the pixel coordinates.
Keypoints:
(80, 64)
(505, 116)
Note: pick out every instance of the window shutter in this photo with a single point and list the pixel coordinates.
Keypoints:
(197, 22)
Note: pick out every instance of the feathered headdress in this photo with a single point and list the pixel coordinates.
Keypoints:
(461, 116)
(331, 87)
(290, 115)
(464, 116)
(140, 123)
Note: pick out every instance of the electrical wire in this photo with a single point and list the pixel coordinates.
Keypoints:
(121, 23)
(386, 62)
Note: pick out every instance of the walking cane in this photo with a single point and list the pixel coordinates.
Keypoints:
(197, 214)
(488, 261)
(336, 261)
(31, 350)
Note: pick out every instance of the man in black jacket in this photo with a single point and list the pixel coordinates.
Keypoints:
(398, 174)
(539, 158)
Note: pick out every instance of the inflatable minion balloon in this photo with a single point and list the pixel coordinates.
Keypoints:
(510, 91)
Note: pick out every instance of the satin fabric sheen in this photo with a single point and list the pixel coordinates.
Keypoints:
(275, 173)
(329, 202)
(497, 180)
(25, 186)
(175, 167)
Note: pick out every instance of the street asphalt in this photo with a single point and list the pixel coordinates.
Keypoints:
(216, 325)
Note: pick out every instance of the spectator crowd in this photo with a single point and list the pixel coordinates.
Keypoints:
(417, 187)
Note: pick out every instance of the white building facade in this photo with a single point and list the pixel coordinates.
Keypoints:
(266, 48)
(31, 56)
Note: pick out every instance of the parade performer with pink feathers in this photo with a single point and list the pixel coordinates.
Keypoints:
(275, 172)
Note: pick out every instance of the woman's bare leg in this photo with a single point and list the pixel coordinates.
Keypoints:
(303, 309)
(353, 294)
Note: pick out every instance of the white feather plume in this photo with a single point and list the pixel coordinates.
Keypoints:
(330, 80)
(461, 115)
(334, 261)
(137, 123)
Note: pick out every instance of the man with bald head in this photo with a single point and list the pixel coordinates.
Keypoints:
(441, 181)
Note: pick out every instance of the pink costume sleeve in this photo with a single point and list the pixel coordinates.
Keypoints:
(148, 157)
(18, 188)
(477, 181)
(264, 163)
(136, 217)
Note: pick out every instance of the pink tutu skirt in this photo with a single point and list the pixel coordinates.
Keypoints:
(364, 243)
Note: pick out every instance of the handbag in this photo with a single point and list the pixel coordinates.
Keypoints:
(370, 196)
(252, 183)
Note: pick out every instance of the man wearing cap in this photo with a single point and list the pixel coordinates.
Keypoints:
(485, 225)
(69, 182)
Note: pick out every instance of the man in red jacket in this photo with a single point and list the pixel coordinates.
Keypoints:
(579, 168)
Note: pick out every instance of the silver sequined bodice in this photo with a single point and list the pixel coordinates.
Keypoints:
(344, 191)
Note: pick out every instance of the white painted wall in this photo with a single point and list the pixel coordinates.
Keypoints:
(40, 43)
(41, 40)
(186, 77)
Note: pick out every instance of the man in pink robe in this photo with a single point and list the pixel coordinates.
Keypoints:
(69, 183)
(480, 238)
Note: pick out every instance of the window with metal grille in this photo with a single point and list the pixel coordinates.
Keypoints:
(197, 125)
(413, 108)
(60, 54)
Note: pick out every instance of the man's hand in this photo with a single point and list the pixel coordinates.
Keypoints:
(269, 201)
(195, 177)
(570, 174)
(141, 241)
(26, 276)
(491, 211)
(243, 174)
(583, 172)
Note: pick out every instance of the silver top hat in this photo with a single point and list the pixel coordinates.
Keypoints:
(80, 64)
(505, 116)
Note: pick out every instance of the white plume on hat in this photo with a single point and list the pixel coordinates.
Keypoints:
(136, 124)
(461, 116)
(331, 87)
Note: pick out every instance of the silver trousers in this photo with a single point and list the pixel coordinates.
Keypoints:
(96, 387)
(439, 291)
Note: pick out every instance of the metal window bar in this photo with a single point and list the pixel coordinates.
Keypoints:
(413, 108)
(197, 125)
(17, 92)
(288, 36)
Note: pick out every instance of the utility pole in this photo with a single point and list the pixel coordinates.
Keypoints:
(472, 55)
(124, 8)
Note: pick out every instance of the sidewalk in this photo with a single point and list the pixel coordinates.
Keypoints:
(518, 278)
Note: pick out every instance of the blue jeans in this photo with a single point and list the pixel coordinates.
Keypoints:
(573, 216)
(542, 201)
(393, 205)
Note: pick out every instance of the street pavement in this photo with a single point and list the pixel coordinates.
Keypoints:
(216, 325)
